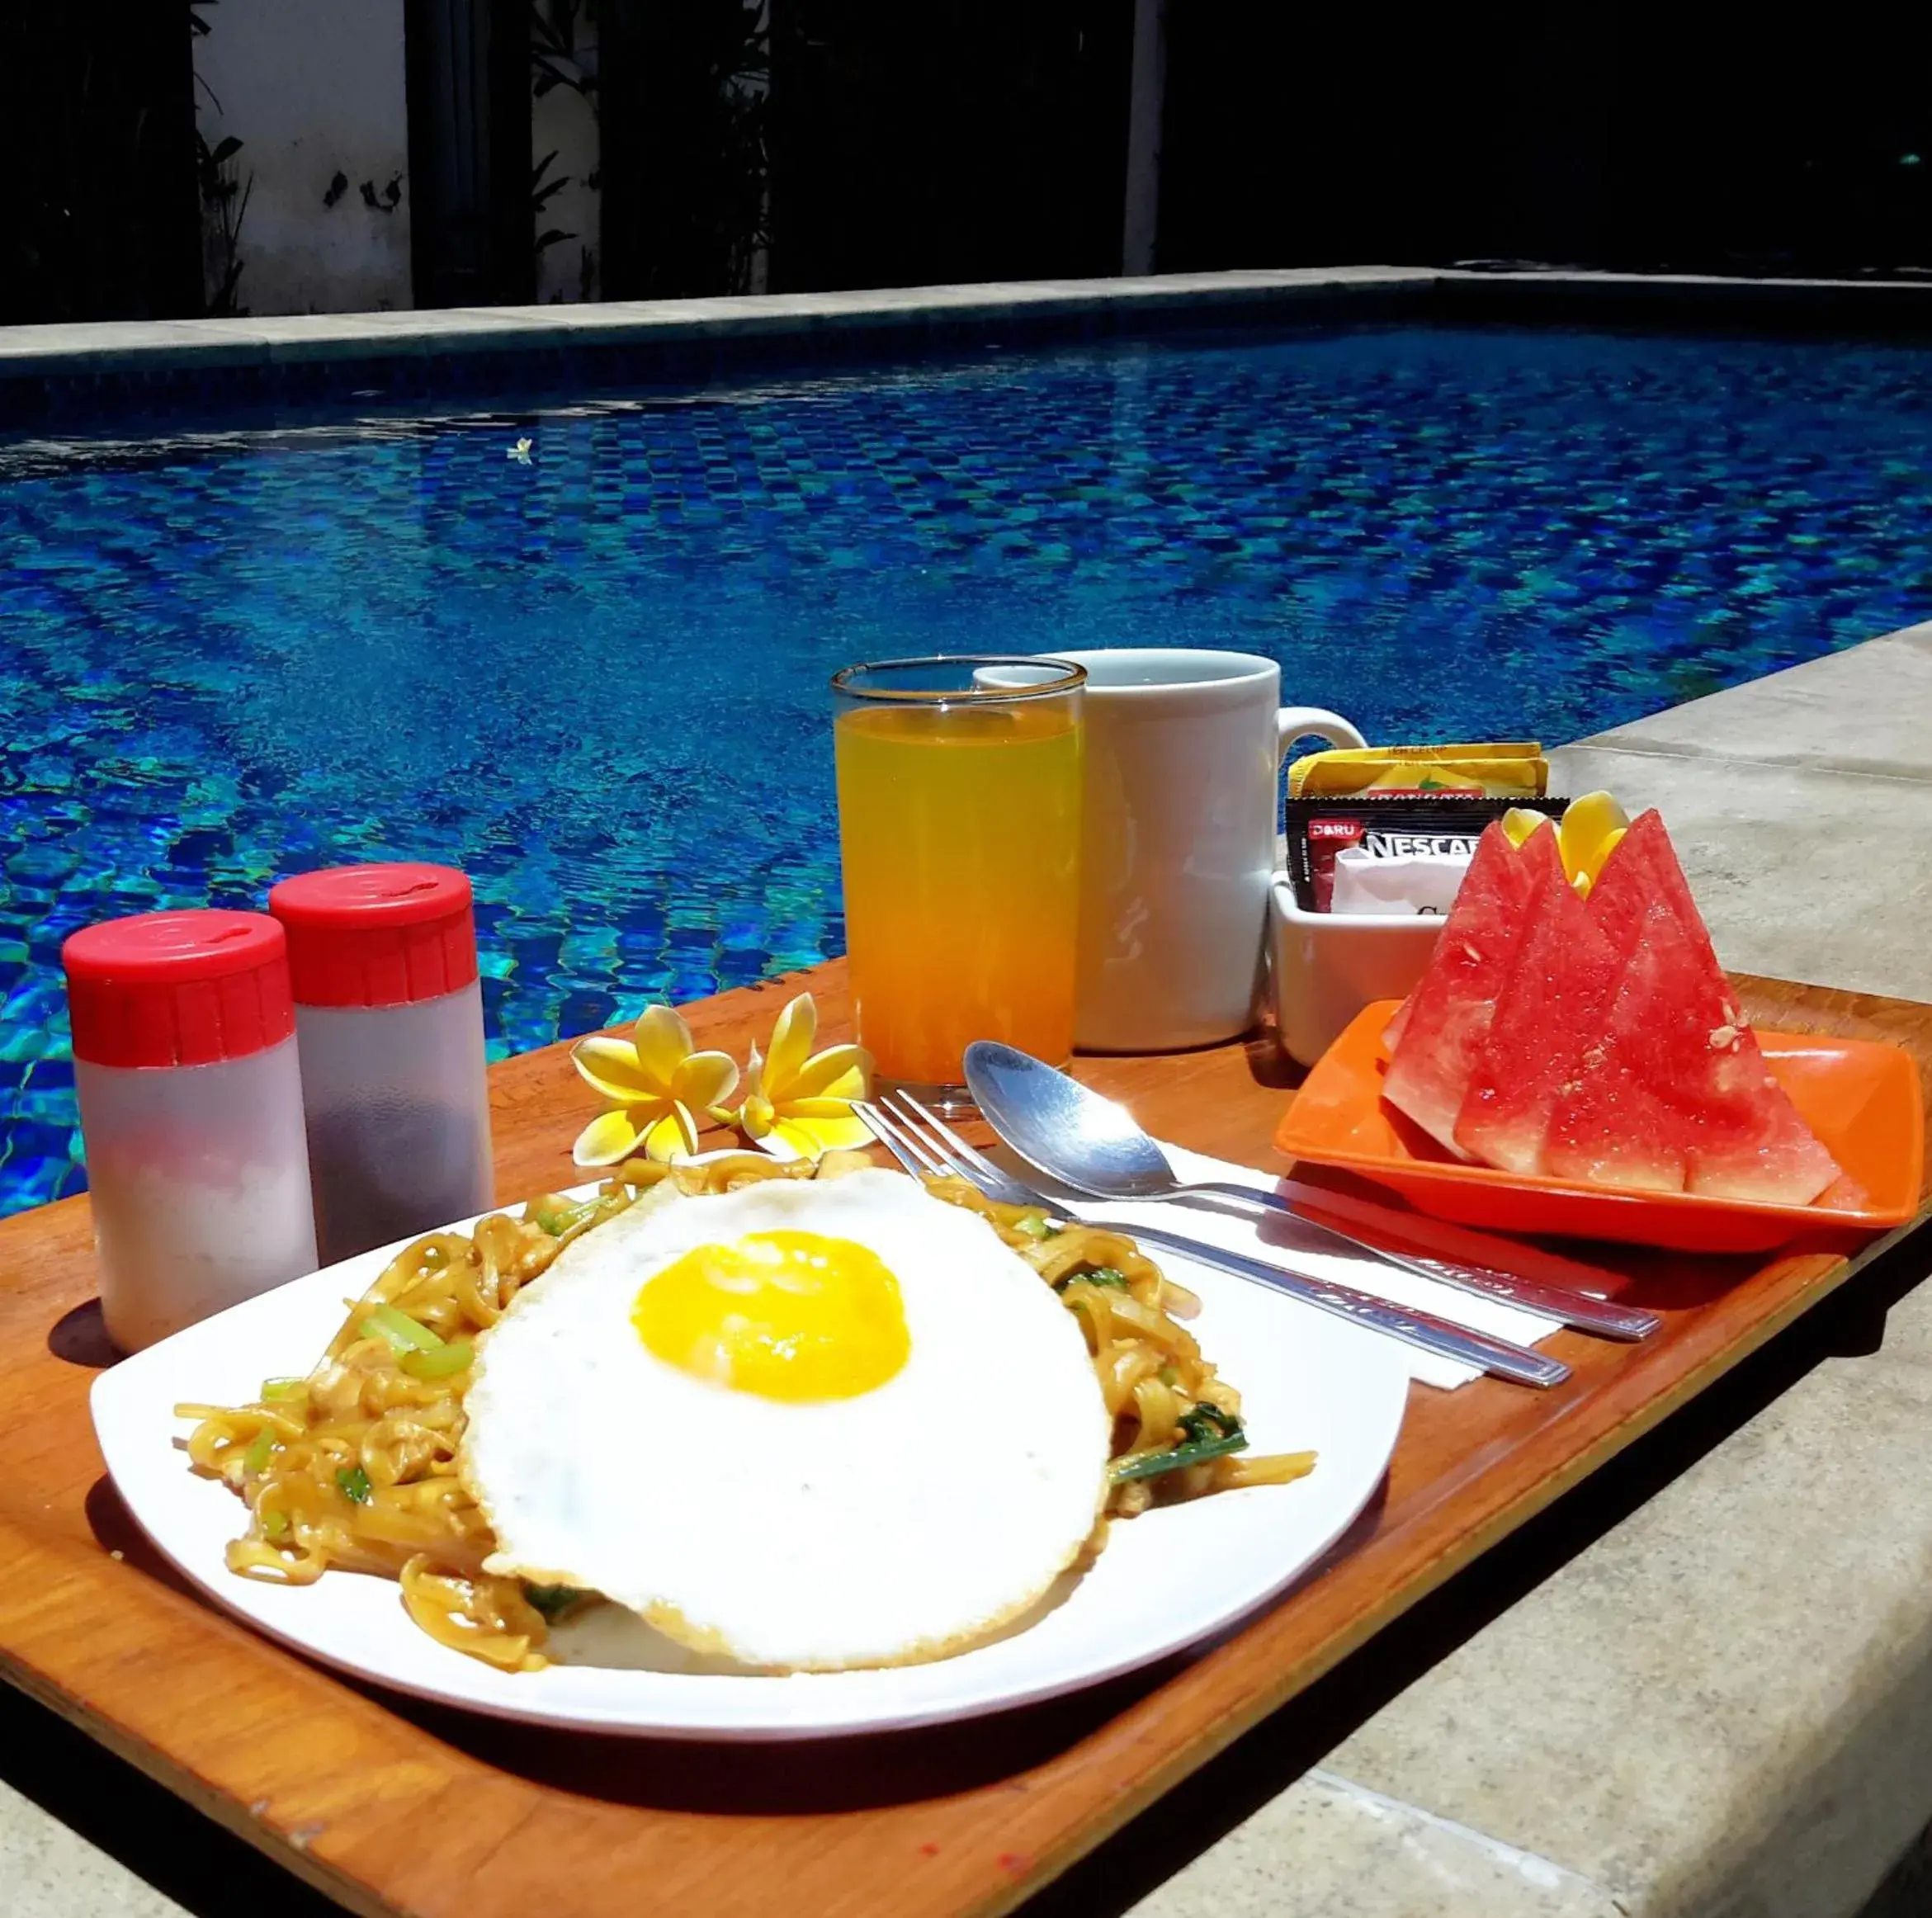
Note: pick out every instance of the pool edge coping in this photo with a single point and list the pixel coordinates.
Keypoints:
(59, 350)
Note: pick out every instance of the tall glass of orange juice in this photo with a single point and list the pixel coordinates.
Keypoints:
(959, 827)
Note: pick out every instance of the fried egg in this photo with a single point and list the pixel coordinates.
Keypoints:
(808, 1426)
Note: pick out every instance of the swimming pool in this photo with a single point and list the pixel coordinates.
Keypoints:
(596, 681)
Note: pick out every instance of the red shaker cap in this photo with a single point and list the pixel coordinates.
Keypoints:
(177, 988)
(377, 935)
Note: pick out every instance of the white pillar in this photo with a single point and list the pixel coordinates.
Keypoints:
(1146, 92)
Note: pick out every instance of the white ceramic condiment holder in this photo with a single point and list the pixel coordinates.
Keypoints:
(1326, 966)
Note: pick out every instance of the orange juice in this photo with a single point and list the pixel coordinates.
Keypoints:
(960, 833)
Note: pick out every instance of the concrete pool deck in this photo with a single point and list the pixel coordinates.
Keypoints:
(1703, 1686)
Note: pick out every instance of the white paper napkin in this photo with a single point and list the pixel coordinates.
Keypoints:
(1228, 1224)
(1412, 883)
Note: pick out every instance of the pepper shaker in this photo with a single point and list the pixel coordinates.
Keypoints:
(190, 1098)
(389, 1015)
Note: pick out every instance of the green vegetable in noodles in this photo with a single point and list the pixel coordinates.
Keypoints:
(282, 1388)
(445, 1360)
(355, 1484)
(276, 1524)
(403, 1333)
(553, 1601)
(560, 1222)
(256, 1458)
(1179, 1458)
(1208, 1421)
(1104, 1275)
(1034, 1226)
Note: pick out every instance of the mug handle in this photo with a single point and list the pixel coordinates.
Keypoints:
(1291, 722)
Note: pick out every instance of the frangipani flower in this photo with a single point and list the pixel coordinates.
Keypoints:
(1590, 830)
(798, 1103)
(657, 1086)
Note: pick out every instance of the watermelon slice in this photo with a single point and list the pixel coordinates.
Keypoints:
(1750, 1142)
(1552, 1006)
(1598, 1042)
(1677, 1095)
(1449, 1011)
(1753, 1144)
(1607, 1124)
(1644, 867)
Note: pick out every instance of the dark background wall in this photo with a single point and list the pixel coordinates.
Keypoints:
(969, 140)
(102, 217)
(875, 143)
(684, 95)
(1614, 134)
(468, 80)
(947, 139)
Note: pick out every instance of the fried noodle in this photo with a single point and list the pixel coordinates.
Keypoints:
(355, 1467)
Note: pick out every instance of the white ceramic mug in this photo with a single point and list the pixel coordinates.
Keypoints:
(1184, 755)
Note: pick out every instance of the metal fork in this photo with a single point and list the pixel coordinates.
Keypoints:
(922, 1143)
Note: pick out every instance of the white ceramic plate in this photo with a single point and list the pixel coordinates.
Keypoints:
(1167, 1580)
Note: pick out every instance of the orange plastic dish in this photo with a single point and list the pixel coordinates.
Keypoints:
(1860, 1097)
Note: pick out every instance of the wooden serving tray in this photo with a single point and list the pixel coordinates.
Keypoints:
(394, 1807)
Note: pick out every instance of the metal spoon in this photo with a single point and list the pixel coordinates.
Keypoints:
(1093, 1145)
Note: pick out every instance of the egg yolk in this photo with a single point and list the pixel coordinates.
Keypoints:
(791, 1315)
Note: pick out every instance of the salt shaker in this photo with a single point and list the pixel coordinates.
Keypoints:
(389, 1014)
(190, 1101)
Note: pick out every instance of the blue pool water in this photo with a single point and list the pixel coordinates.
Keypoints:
(596, 681)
